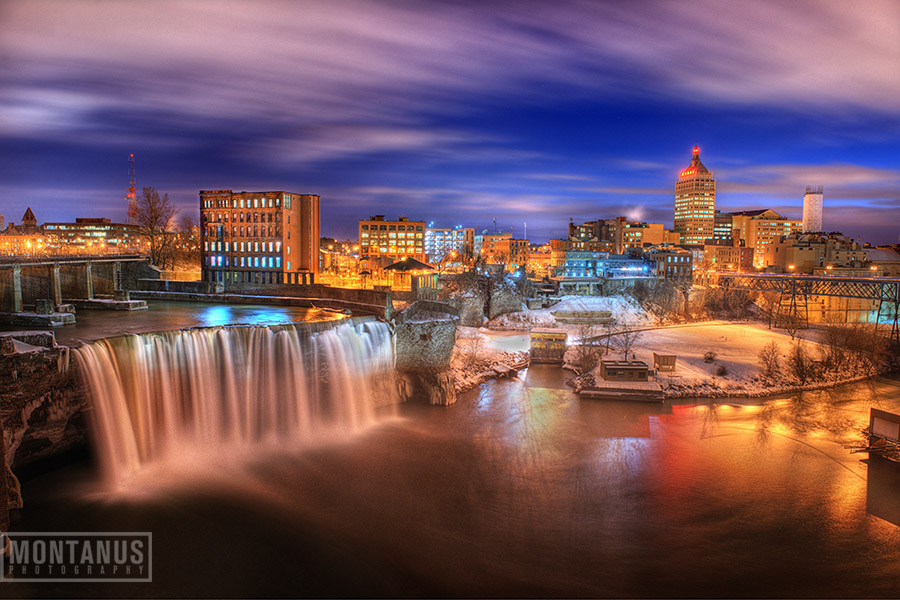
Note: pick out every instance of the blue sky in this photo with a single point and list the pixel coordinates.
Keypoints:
(454, 112)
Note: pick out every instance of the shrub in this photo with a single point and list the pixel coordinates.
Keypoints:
(769, 357)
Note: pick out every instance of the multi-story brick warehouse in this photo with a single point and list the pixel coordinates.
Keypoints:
(259, 237)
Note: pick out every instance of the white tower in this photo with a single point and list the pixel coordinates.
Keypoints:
(812, 209)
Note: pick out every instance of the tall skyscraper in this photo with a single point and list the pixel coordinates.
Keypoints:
(812, 209)
(695, 202)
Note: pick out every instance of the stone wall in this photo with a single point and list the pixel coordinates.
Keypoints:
(131, 271)
(505, 298)
(470, 307)
(424, 336)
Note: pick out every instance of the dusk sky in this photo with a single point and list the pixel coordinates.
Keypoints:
(454, 112)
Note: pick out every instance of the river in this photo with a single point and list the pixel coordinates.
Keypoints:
(520, 489)
(164, 315)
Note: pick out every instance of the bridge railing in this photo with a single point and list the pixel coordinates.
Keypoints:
(66, 258)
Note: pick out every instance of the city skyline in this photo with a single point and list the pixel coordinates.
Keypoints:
(454, 114)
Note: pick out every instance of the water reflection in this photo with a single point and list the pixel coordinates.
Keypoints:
(883, 489)
(169, 316)
(521, 489)
(227, 314)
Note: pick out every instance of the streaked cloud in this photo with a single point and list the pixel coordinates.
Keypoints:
(354, 97)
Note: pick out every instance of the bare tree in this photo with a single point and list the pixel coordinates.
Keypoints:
(587, 353)
(470, 347)
(800, 363)
(791, 322)
(155, 216)
(625, 340)
(768, 359)
(187, 243)
(768, 304)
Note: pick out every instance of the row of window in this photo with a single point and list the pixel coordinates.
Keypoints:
(261, 262)
(382, 236)
(239, 247)
(245, 217)
(239, 231)
(250, 203)
(391, 228)
(389, 250)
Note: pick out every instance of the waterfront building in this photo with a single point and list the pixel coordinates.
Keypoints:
(259, 237)
(812, 209)
(382, 242)
(695, 202)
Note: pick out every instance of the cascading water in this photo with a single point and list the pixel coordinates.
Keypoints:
(183, 394)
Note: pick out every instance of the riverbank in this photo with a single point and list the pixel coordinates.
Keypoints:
(735, 371)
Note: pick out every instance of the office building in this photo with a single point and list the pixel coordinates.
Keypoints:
(695, 202)
(384, 242)
(759, 228)
(93, 236)
(441, 242)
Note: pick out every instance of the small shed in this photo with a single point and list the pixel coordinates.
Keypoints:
(624, 370)
(548, 345)
(885, 425)
(664, 362)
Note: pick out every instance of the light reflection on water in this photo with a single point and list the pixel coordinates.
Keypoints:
(521, 489)
(167, 316)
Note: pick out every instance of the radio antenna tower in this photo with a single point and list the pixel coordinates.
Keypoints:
(130, 196)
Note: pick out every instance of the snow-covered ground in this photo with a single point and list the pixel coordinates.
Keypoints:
(736, 346)
(624, 309)
(477, 351)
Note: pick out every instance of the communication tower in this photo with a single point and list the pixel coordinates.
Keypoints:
(131, 197)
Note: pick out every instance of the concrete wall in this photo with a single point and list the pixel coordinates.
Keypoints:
(76, 281)
(10, 290)
(104, 278)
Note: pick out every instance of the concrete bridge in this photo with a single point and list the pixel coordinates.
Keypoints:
(52, 281)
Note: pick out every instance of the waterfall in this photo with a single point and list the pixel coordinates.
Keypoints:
(195, 393)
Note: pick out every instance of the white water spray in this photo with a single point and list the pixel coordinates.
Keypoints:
(186, 394)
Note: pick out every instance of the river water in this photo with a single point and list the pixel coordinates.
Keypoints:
(164, 315)
(520, 489)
